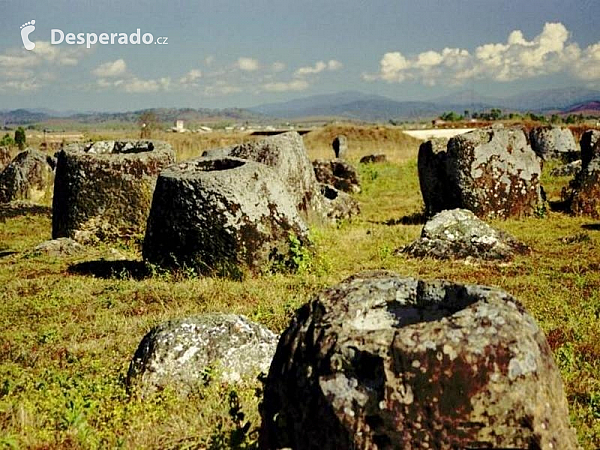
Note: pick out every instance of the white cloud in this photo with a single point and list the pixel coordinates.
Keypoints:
(319, 67)
(209, 60)
(332, 65)
(191, 77)
(137, 86)
(110, 69)
(517, 58)
(248, 64)
(294, 85)
(22, 70)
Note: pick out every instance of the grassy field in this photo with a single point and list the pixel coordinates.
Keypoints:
(67, 331)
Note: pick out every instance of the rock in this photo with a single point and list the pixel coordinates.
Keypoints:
(103, 192)
(380, 361)
(59, 247)
(340, 206)
(492, 172)
(221, 216)
(340, 146)
(567, 170)
(285, 153)
(179, 354)
(583, 194)
(217, 153)
(101, 147)
(553, 142)
(5, 158)
(433, 179)
(337, 173)
(589, 149)
(372, 159)
(29, 176)
(459, 234)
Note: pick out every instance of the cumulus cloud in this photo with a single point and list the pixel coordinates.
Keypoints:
(191, 78)
(137, 86)
(22, 70)
(517, 58)
(248, 64)
(294, 85)
(319, 67)
(110, 69)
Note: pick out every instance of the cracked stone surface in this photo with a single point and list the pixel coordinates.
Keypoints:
(59, 247)
(583, 193)
(286, 154)
(339, 205)
(492, 172)
(221, 216)
(179, 353)
(459, 234)
(337, 173)
(567, 170)
(103, 190)
(553, 142)
(29, 176)
(381, 361)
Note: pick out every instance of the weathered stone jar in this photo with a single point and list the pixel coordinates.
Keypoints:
(178, 353)
(379, 361)
(221, 216)
(103, 191)
(29, 176)
(553, 142)
(492, 172)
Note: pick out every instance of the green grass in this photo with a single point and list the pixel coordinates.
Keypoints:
(66, 338)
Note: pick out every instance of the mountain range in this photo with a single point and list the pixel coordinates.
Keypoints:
(356, 105)
(344, 105)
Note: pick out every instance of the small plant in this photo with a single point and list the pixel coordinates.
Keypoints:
(300, 255)
(20, 139)
(7, 141)
(540, 211)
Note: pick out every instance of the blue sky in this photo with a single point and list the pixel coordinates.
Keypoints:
(243, 53)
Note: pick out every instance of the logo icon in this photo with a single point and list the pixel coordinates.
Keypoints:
(26, 30)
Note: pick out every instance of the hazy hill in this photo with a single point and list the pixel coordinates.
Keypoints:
(357, 105)
(164, 115)
(345, 105)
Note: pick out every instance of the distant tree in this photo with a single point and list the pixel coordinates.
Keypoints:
(451, 117)
(7, 141)
(466, 114)
(495, 114)
(148, 122)
(555, 118)
(20, 138)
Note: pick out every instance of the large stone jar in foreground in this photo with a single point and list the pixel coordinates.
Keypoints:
(103, 191)
(222, 216)
(381, 361)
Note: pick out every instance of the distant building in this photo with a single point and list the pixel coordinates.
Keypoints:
(178, 128)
